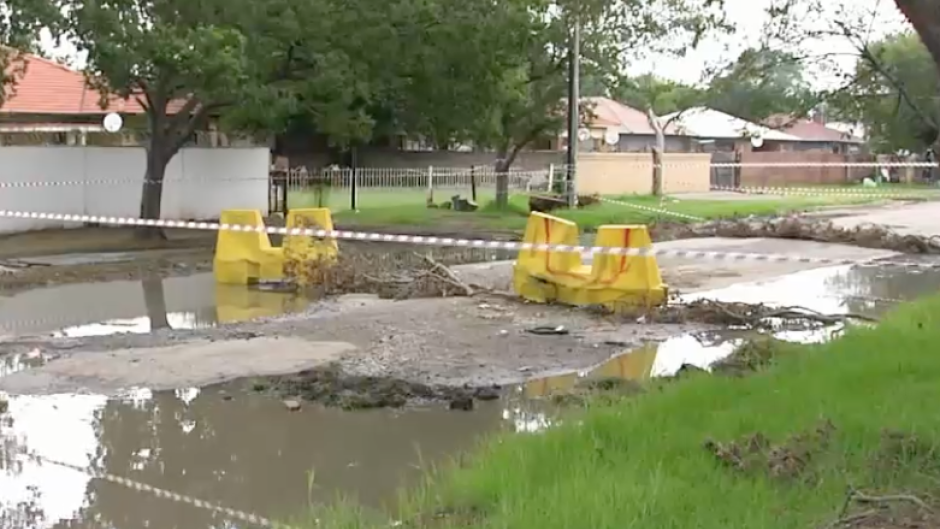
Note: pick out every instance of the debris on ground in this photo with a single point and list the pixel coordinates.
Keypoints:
(863, 510)
(790, 459)
(330, 386)
(802, 228)
(735, 314)
(547, 203)
(385, 275)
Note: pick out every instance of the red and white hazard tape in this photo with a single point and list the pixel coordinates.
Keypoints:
(455, 242)
(658, 211)
(158, 492)
(824, 191)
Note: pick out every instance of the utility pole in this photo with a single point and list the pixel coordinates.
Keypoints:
(574, 98)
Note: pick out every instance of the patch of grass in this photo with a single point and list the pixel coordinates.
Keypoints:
(400, 210)
(777, 449)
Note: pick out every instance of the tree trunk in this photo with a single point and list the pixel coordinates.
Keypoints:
(658, 150)
(159, 153)
(502, 180)
(924, 15)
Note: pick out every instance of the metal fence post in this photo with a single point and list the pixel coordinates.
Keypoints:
(551, 178)
(473, 183)
(430, 184)
(354, 189)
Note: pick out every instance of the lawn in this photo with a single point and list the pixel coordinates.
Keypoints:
(665, 459)
(407, 207)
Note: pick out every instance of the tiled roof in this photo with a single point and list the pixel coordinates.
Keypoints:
(47, 87)
(809, 130)
(613, 114)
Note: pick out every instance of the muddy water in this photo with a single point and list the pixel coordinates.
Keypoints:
(244, 451)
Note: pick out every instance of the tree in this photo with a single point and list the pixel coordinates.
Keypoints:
(661, 95)
(891, 95)
(761, 82)
(527, 101)
(187, 61)
(925, 18)
(19, 33)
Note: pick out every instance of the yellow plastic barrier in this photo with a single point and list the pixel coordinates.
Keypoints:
(235, 303)
(614, 281)
(243, 258)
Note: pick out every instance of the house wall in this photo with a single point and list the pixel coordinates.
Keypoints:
(388, 157)
(626, 173)
(646, 142)
(810, 174)
(199, 184)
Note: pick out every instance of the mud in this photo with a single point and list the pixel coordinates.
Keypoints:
(330, 386)
(807, 229)
(454, 342)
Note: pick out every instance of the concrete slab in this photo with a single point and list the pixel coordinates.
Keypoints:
(921, 219)
(189, 364)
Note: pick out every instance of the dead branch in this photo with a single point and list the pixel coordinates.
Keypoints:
(861, 497)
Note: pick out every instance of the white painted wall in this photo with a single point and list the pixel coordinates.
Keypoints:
(199, 184)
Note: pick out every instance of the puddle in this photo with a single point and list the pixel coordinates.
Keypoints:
(241, 450)
(835, 290)
(113, 307)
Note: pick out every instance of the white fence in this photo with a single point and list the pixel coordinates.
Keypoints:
(199, 183)
(380, 186)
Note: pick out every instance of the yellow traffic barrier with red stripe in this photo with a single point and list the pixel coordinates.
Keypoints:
(613, 281)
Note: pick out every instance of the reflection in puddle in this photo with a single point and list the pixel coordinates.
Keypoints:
(835, 290)
(193, 302)
(243, 450)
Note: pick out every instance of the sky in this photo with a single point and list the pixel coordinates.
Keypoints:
(749, 16)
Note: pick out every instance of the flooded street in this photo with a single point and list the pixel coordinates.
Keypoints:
(248, 451)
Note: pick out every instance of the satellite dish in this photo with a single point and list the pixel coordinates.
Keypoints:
(757, 141)
(611, 137)
(584, 134)
(112, 122)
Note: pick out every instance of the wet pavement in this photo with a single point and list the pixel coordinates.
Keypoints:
(250, 452)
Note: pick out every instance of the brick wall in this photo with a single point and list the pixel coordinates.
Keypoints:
(789, 176)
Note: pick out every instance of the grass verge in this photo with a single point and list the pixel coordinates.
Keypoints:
(777, 449)
(589, 218)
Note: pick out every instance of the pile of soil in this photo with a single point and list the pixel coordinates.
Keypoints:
(801, 228)
(330, 386)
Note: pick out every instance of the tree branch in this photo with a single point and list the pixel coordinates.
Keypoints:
(869, 57)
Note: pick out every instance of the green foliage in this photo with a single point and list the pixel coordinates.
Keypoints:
(528, 102)
(19, 33)
(894, 94)
(760, 83)
(662, 95)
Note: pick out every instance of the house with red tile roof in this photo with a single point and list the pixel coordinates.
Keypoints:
(52, 104)
(814, 135)
(609, 119)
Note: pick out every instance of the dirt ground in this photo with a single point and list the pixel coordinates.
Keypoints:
(476, 341)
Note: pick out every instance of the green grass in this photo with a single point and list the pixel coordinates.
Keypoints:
(640, 462)
(396, 207)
